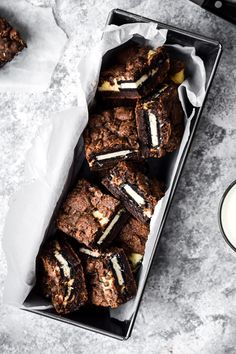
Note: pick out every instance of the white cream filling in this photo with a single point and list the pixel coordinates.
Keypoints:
(64, 264)
(153, 129)
(106, 86)
(128, 85)
(155, 96)
(117, 270)
(134, 195)
(69, 290)
(89, 252)
(103, 220)
(136, 84)
(163, 88)
(113, 154)
(110, 226)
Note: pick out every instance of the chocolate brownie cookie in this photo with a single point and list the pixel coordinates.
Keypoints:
(111, 136)
(135, 72)
(60, 276)
(132, 239)
(133, 236)
(138, 193)
(160, 121)
(91, 216)
(11, 42)
(110, 279)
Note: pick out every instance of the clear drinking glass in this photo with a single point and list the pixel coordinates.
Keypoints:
(227, 215)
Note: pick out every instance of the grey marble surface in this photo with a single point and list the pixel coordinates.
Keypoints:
(189, 305)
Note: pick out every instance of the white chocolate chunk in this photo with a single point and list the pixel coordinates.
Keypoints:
(135, 259)
(103, 220)
(113, 155)
(153, 129)
(108, 283)
(64, 264)
(117, 270)
(147, 212)
(178, 78)
(151, 53)
(134, 195)
(107, 86)
(110, 227)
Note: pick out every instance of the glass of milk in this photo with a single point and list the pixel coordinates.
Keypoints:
(227, 215)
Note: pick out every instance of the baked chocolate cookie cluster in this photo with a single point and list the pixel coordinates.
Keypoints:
(138, 114)
(11, 42)
(103, 228)
(134, 73)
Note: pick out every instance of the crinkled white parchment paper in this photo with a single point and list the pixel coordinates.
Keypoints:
(46, 170)
(51, 156)
(32, 69)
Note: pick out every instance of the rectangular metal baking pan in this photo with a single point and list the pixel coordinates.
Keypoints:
(98, 319)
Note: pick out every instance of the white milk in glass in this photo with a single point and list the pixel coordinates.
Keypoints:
(228, 215)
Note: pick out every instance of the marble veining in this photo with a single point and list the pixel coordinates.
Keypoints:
(189, 302)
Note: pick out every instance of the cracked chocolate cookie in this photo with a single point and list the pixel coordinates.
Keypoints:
(135, 72)
(132, 238)
(160, 122)
(110, 279)
(111, 136)
(138, 193)
(91, 216)
(60, 276)
(11, 42)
